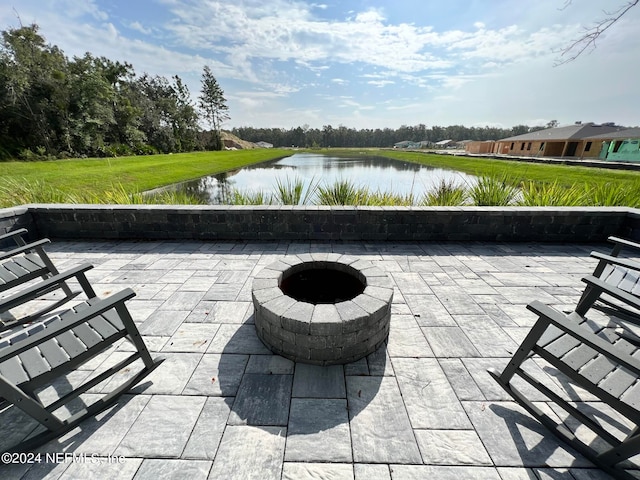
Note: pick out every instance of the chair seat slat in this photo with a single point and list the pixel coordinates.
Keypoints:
(618, 381)
(632, 396)
(579, 357)
(561, 346)
(12, 369)
(103, 327)
(36, 259)
(33, 362)
(88, 336)
(628, 281)
(27, 264)
(53, 353)
(615, 276)
(16, 269)
(6, 276)
(598, 369)
(71, 344)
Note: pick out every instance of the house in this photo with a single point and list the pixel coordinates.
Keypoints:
(480, 147)
(569, 141)
(407, 144)
(443, 143)
(621, 146)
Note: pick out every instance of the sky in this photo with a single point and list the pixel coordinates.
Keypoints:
(365, 63)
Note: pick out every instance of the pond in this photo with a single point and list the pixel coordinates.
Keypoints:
(377, 174)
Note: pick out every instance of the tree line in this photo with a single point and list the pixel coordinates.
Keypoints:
(55, 107)
(341, 136)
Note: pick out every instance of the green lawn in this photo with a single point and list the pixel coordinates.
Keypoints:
(138, 173)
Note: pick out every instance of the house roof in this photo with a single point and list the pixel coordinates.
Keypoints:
(620, 134)
(564, 133)
(443, 142)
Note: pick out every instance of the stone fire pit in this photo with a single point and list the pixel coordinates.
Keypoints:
(322, 309)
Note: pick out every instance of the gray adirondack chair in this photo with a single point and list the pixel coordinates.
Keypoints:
(24, 263)
(593, 357)
(48, 349)
(614, 285)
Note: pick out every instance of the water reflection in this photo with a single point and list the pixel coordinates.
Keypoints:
(376, 173)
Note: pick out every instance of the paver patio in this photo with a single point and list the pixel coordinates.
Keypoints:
(222, 406)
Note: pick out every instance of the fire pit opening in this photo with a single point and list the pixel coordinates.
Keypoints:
(322, 285)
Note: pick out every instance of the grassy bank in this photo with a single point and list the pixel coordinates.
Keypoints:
(96, 176)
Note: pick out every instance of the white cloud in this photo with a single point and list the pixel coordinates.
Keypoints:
(140, 28)
(380, 83)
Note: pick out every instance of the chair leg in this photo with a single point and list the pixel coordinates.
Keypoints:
(588, 298)
(29, 405)
(523, 352)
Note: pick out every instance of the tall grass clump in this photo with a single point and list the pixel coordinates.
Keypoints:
(536, 194)
(340, 192)
(117, 194)
(493, 190)
(21, 191)
(447, 193)
(174, 198)
(614, 195)
(16, 192)
(294, 191)
(380, 198)
(250, 198)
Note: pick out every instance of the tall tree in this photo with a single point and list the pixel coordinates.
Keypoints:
(213, 104)
(168, 119)
(32, 90)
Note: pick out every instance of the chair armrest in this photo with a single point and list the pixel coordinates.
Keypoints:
(623, 262)
(554, 317)
(621, 242)
(24, 248)
(48, 285)
(15, 233)
(68, 321)
(615, 292)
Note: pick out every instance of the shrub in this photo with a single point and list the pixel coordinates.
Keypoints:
(341, 192)
(290, 192)
(552, 195)
(613, 195)
(446, 193)
(250, 198)
(494, 190)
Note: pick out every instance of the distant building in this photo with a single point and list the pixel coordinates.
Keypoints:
(478, 147)
(620, 146)
(264, 144)
(570, 141)
(443, 143)
(407, 144)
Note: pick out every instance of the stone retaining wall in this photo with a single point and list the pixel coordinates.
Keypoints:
(153, 222)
